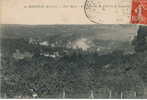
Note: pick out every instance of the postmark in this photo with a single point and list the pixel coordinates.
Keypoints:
(139, 12)
(108, 11)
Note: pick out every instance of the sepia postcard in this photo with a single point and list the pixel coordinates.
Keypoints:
(73, 49)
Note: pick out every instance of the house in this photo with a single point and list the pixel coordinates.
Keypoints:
(44, 43)
(19, 55)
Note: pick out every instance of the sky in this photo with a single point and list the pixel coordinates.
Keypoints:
(53, 12)
(63, 11)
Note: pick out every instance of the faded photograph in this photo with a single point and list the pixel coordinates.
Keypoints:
(73, 61)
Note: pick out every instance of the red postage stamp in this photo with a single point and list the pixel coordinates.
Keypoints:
(139, 12)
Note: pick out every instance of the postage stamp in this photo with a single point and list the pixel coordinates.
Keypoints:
(139, 12)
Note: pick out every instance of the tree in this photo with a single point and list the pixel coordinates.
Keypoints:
(141, 42)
